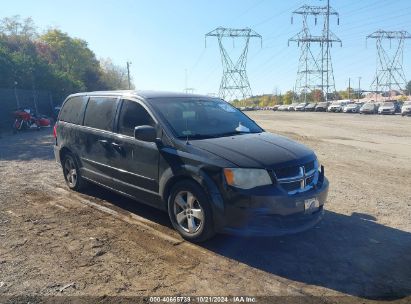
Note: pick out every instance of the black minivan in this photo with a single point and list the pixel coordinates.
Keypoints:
(206, 163)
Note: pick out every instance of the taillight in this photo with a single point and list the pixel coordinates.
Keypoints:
(55, 130)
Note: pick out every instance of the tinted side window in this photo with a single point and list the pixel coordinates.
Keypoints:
(132, 115)
(73, 110)
(100, 113)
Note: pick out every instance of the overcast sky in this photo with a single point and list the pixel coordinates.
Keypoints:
(164, 38)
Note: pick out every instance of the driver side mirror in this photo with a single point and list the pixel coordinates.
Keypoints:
(145, 133)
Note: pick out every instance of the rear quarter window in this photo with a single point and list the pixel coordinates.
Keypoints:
(73, 110)
(100, 113)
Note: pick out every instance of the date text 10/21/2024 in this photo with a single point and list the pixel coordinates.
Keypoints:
(203, 299)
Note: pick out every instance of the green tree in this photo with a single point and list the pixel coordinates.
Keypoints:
(16, 27)
(113, 76)
(289, 97)
(74, 58)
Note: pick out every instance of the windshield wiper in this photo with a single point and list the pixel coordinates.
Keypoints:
(206, 136)
(196, 136)
(233, 133)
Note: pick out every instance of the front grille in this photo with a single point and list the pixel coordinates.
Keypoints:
(291, 186)
(286, 172)
(298, 178)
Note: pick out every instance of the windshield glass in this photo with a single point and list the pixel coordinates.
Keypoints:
(388, 104)
(322, 104)
(407, 103)
(336, 103)
(368, 106)
(203, 118)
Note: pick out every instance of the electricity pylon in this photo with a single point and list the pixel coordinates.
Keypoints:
(389, 72)
(315, 70)
(234, 83)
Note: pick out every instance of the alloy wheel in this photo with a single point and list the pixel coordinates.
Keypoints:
(188, 212)
(70, 172)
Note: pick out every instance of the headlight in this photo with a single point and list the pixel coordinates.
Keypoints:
(246, 178)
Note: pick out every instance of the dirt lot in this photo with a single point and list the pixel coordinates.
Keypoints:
(57, 242)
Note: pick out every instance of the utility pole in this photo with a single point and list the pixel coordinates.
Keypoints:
(349, 88)
(185, 80)
(328, 46)
(234, 83)
(359, 88)
(128, 75)
(16, 95)
(187, 90)
(376, 95)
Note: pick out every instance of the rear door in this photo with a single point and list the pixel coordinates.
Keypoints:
(97, 136)
(69, 124)
(136, 161)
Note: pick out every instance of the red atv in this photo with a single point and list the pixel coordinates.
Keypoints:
(25, 119)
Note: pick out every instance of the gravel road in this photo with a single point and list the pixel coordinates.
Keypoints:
(54, 242)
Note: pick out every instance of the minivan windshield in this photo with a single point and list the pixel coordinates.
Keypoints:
(388, 104)
(197, 118)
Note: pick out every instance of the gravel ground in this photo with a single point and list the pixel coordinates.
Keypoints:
(54, 242)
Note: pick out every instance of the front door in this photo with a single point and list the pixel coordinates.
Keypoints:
(136, 161)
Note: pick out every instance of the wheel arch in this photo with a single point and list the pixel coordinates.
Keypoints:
(64, 151)
(171, 177)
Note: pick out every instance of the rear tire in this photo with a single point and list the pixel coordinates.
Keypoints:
(190, 212)
(71, 172)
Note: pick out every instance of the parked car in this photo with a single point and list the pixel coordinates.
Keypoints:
(310, 107)
(352, 108)
(406, 108)
(197, 157)
(387, 108)
(321, 106)
(275, 108)
(283, 108)
(369, 108)
(337, 106)
(292, 106)
(301, 106)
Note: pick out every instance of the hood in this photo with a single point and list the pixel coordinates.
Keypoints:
(261, 150)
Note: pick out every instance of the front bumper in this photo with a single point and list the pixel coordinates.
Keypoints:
(334, 110)
(386, 112)
(270, 213)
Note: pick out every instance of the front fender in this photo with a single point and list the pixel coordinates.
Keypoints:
(172, 175)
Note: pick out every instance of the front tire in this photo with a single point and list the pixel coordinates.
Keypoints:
(190, 212)
(71, 172)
